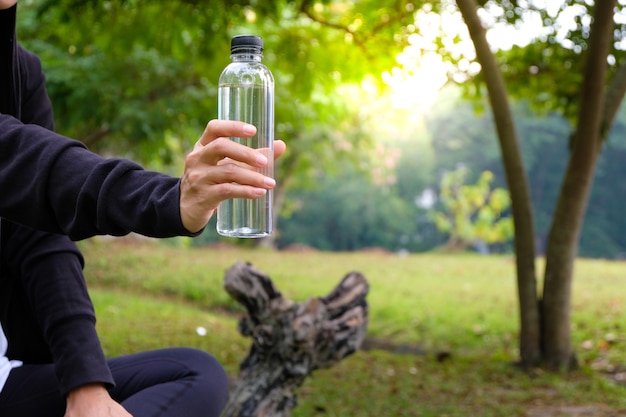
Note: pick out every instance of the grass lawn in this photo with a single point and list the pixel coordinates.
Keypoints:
(462, 308)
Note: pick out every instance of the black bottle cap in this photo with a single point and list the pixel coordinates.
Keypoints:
(246, 42)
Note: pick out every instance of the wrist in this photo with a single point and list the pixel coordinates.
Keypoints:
(86, 392)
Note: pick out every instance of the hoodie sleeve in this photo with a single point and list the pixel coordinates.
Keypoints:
(57, 318)
(53, 183)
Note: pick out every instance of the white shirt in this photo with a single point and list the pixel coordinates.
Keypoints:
(5, 364)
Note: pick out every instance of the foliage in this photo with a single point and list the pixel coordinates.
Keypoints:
(454, 134)
(461, 136)
(138, 79)
(556, 52)
(552, 48)
(472, 212)
(131, 72)
(124, 79)
(349, 212)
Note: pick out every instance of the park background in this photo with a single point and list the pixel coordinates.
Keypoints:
(393, 168)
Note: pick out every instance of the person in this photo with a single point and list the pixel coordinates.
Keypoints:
(55, 184)
(57, 366)
(54, 189)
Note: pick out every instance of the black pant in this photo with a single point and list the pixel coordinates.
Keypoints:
(177, 382)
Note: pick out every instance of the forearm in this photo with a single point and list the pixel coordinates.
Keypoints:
(57, 306)
(52, 183)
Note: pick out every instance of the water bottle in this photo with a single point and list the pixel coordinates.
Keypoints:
(246, 93)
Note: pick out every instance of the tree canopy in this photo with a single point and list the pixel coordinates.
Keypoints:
(139, 79)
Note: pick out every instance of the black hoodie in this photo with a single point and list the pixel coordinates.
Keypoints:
(53, 184)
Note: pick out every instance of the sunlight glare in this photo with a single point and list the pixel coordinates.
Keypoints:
(421, 71)
(417, 82)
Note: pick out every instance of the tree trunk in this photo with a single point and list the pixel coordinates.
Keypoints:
(290, 340)
(530, 349)
(614, 97)
(562, 246)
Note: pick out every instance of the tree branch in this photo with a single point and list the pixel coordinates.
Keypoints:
(613, 98)
(359, 40)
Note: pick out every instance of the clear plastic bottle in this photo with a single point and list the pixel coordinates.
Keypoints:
(246, 93)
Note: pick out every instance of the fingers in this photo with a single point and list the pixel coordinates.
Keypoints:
(226, 128)
(219, 168)
(225, 149)
(217, 130)
(204, 187)
(233, 174)
(215, 145)
(279, 148)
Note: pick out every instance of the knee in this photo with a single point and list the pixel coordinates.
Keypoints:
(208, 371)
(203, 362)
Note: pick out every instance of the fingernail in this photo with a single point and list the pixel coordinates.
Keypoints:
(261, 159)
(260, 191)
(249, 129)
(270, 182)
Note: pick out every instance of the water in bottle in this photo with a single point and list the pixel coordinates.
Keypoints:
(246, 93)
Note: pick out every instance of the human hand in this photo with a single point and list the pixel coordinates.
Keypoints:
(218, 169)
(93, 401)
(5, 4)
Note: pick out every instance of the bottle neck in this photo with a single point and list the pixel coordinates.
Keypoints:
(246, 55)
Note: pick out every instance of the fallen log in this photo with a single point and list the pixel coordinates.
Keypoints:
(290, 340)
